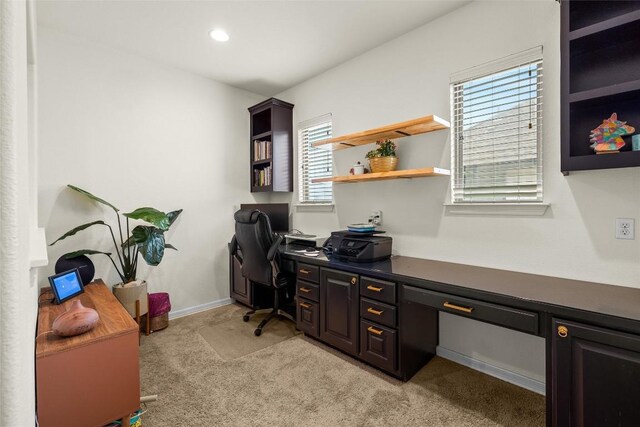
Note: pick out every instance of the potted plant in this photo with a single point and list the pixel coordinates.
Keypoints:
(383, 157)
(145, 240)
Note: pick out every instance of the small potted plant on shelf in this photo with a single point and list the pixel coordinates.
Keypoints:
(145, 240)
(383, 158)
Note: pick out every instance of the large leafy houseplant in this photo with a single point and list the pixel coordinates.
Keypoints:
(145, 240)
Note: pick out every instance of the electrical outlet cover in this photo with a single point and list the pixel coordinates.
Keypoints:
(625, 228)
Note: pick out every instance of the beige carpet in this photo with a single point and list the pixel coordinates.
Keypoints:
(232, 339)
(299, 381)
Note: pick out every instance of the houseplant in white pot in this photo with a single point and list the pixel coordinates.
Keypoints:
(144, 239)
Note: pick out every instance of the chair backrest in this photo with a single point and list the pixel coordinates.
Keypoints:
(254, 238)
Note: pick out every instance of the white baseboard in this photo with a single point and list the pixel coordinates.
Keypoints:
(198, 308)
(495, 371)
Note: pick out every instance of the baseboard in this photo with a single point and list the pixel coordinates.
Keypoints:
(198, 308)
(495, 371)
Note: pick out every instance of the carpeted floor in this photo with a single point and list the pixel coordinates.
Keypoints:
(299, 381)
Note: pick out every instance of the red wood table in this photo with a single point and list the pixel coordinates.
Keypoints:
(93, 378)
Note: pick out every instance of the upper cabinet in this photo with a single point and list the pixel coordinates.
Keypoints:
(271, 146)
(600, 76)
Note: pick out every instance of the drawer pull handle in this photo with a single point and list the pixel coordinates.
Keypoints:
(563, 331)
(374, 330)
(303, 271)
(304, 305)
(353, 280)
(374, 311)
(374, 289)
(457, 307)
(305, 290)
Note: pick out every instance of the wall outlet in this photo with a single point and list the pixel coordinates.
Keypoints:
(625, 228)
(375, 218)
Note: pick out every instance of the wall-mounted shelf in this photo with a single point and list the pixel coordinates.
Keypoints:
(408, 173)
(393, 131)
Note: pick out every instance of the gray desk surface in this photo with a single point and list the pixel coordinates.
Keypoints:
(619, 301)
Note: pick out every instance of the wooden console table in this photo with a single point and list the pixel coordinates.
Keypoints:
(93, 378)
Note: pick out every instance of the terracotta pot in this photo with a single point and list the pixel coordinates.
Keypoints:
(128, 293)
(75, 321)
(383, 164)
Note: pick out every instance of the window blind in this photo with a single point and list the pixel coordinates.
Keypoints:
(314, 162)
(497, 129)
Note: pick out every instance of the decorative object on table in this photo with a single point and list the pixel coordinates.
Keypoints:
(358, 169)
(383, 158)
(635, 142)
(77, 320)
(159, 308)
(145, 240)
(82, 263)
(607, 138)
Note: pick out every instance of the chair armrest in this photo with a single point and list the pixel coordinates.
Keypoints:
(233, 246)
(273, 250)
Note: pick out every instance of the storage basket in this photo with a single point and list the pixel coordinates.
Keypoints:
(159, 322)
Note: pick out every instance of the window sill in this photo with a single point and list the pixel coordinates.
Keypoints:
(504, 209)
(314, 207)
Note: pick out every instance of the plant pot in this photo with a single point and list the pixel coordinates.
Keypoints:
(383, 164)
(129, 293)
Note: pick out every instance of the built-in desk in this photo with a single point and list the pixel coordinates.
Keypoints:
(386, 313)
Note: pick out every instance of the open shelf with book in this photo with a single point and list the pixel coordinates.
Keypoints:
(600, 76)
(271, 132)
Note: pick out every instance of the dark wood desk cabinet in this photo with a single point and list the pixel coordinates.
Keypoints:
(386, 314)
(91, 379)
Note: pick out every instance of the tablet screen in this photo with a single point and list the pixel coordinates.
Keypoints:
(66, 285)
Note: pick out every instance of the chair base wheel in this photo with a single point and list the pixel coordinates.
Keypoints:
(245, 317)
(258, 332)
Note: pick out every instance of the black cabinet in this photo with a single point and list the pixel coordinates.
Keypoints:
(339, 299)
(596, 376)
(240, 288)
(271, 146)
(594, 87)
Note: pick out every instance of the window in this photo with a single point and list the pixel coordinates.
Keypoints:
(314, 162)
(497, 131)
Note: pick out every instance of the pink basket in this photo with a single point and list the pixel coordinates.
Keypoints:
(159, 304)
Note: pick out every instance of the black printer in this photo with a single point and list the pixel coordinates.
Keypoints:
(359, 247)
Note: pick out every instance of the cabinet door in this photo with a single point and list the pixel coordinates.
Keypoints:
(240, 287)
(596, 376)
(339, 309)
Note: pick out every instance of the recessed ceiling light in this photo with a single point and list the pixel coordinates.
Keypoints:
(219, 35)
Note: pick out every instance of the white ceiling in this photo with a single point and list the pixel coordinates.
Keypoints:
(274, 44)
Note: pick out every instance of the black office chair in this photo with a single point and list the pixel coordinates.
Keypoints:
(260, 261)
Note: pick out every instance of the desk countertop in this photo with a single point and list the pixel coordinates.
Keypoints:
(619, 301)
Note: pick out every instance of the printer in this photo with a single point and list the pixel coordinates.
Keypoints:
(359, 247)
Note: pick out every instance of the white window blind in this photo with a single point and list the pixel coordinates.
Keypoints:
(497, 130)
(314, 162)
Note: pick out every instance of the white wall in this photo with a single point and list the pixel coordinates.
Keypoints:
(408, 78)
(138, 133)
(18, 292)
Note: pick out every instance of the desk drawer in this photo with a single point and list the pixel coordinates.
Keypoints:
(378, 345)
(500, 315)
(378, 289)
(307, 316)
(308, 272)
(308, 290)
(378, 312)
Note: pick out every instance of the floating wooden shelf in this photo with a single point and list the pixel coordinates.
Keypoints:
(396, 130)
(408, 173)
